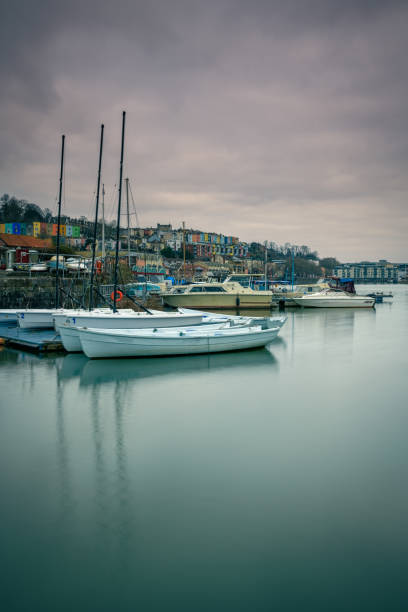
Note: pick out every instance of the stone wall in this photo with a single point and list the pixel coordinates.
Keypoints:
(18, 292)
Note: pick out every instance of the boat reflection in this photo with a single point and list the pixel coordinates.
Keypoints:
(114, 370)
(70, 366)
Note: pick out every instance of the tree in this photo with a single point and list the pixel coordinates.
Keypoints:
(328, 263)
(11, 209)
(32, 212)
(168, 253)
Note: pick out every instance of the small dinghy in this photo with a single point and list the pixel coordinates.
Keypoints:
(98, 343)
(212, 317)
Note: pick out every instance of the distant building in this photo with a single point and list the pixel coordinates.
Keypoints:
(370, 272)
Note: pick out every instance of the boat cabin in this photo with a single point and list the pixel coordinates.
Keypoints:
(342, 284)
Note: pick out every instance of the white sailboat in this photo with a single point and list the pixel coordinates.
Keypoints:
(98, 343)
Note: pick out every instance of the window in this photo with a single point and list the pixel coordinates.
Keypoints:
(196, 290)
(214, 290)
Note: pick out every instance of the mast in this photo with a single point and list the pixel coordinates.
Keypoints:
(59, 224)
(96, 220)
(266, 264)
(115, 281)
(128, 224)
(103, 222)
(184, 249)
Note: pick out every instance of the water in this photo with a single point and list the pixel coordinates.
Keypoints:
(269, 479)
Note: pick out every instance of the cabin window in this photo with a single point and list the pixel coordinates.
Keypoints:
(215, 289)
(196, 290)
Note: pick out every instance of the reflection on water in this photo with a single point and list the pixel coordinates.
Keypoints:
(100, 372)
(65, 486)
(267, 479)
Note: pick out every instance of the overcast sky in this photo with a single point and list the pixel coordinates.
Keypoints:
(283, 121)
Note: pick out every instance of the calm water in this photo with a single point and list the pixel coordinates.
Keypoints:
(267, 480)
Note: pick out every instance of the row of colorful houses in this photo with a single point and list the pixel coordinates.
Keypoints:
(207, 238)
(38, 229)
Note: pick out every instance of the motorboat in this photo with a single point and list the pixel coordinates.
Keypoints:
(76, 265)
(331, 298)
(39, 267)
(287, 292)
(217, 296)
(98, 343)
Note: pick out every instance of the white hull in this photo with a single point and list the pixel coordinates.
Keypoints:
(8, 315)
(352, 301)
(72, 343)
(42, 318)
(61, 317)
(137, 320)
(36, 319)
(211, 317)
(70, 338)
(219, 301)
(100, 344)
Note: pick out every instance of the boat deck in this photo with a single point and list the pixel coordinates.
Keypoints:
(38, 340)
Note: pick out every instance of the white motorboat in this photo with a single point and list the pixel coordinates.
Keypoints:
(217, 296)
(98, 343)
(39, 267)
(76, 265)
(334, 299)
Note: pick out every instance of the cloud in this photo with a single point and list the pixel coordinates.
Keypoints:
(278, 121)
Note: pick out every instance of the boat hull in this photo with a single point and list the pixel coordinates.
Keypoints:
(135, 321)
(35, 319)
(335, 303)
(70, 339)
(8, 316)
(218, 301)
(98, 344)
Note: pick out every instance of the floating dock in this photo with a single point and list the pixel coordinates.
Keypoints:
(38, 340)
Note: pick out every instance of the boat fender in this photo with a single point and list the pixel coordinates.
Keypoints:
(237, 301)
(119, 296)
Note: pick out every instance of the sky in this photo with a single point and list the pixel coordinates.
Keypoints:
(267, 120)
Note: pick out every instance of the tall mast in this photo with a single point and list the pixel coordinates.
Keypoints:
(59, 224)
(266, 264)
(91, 300)
(103, 222)
(115, 281)
(128, 223)
(184, 249)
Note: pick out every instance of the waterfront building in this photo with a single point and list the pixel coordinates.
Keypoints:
(369, 272)
(20, 249)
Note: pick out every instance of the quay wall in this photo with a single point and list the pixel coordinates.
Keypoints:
(18, 292)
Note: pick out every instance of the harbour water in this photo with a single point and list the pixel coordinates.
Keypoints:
(273, 479)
